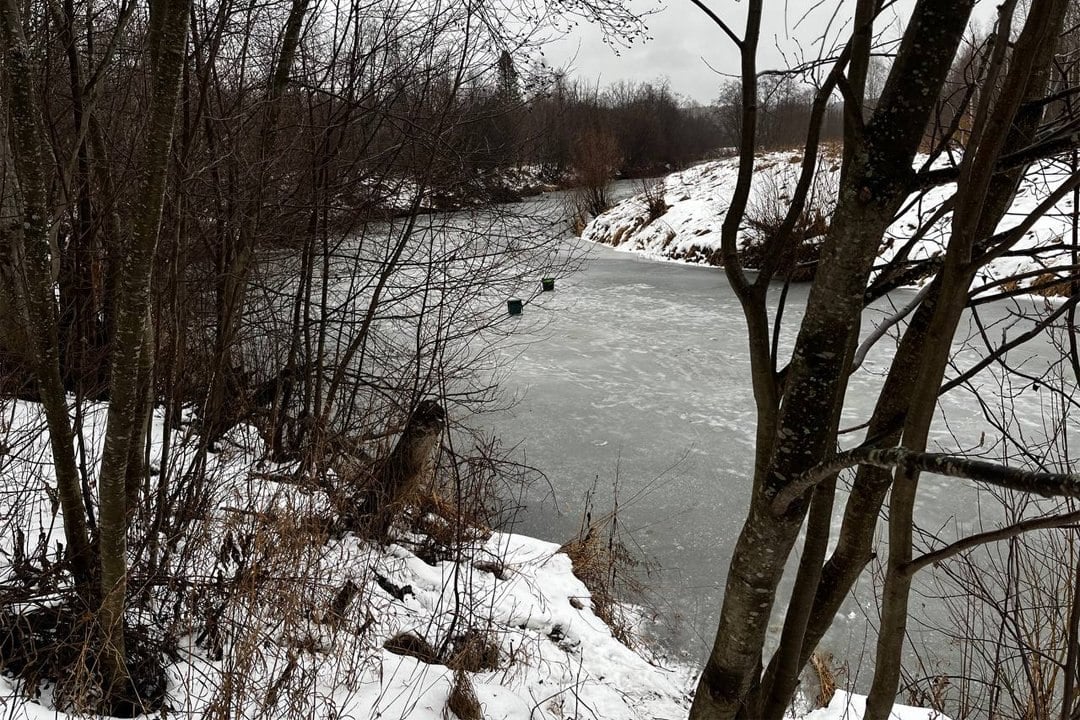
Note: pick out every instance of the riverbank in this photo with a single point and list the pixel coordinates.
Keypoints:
(411, 628)
(496, 626)
(696, 201)
(391, 198)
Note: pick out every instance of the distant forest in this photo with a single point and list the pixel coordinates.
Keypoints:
(561, 124)
(641, 128)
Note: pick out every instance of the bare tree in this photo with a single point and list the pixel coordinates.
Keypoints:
(224, 207)
(798, 405)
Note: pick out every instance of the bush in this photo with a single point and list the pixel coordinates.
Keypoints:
(765, 220)
(652, 190)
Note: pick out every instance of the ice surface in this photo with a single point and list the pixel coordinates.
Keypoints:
(640, 374)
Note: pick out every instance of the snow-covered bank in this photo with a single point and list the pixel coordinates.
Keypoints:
(848, 706)
(341, 619)
(274, 617)
(390, 197)
(697, 200)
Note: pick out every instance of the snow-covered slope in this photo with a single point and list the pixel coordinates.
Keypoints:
(698, 198)
(332, 625)
(332, 613)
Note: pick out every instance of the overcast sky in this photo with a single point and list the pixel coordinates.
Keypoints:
(685, 43)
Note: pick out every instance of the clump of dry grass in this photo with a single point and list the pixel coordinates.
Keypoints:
(579, 210)
(462, 701)
(413, 645)
(823, 665)
(58, 646)
(1051, 285)
(605, 565)
(474, 652)
(655, 198)
(801, 249)
(446, 519)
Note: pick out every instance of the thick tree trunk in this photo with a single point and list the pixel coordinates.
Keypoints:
(934, 357)
(873, 186)
(815, 387)
(854, 548)
(81, 335)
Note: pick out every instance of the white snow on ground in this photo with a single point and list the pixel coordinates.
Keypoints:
(556, 659)
(847, 706)
(698, 199)
(397, 195)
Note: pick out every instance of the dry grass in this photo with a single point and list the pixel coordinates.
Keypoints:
(604, 564)
(655, 200)
(462, 701)
(412, 645)
(474, 652)
(823, 665)
(57, 646)
(802, 247)
(580, 208)
(1052, 285)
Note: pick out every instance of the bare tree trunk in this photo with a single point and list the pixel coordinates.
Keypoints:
(994, 131)
(136, 463)
(854, 547)
(168, 20)
(237, 253)
(80, 330)
(872, 189)
(39, 297)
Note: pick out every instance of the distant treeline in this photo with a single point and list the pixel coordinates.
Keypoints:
(646, 128)
(575, 132)
(784, 106)
(640, 128)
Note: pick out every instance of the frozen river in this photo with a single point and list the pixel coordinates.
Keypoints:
(641, 377)
(637, 373)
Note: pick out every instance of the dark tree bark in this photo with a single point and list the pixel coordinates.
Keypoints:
(36, 255)
(236, 252)
(874, 184)
(127, 406)
(798, 406)
(998, 124)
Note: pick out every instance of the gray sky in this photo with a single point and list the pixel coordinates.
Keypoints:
(685, 43)
(681, 36)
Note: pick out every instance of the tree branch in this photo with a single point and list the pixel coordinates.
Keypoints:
(1005, 347)
(775, 248)
(883, 327)
(1060, 142)
(1040, 483)
(1039, 523)
(719, 23)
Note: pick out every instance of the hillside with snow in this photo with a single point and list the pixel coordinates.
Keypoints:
(273, 615)
(696, 201)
